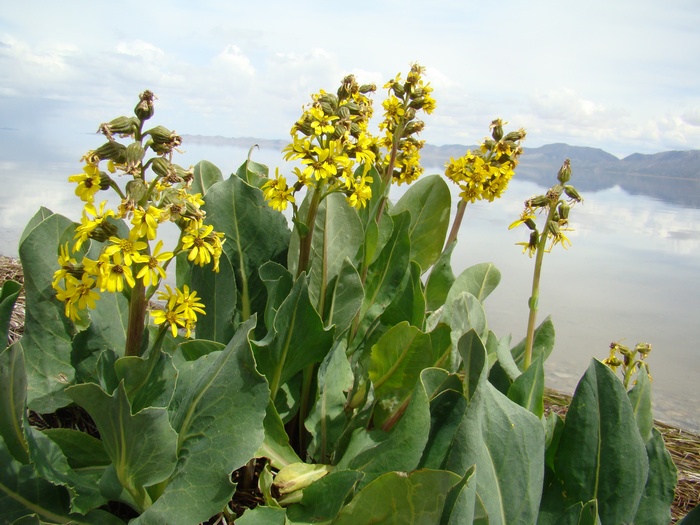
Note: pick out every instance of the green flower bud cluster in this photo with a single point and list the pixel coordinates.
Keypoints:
(630, 359)
(555, 204)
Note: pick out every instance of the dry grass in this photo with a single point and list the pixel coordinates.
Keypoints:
(684, 446)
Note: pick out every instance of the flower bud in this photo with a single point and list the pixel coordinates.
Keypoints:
(415, 126)
(530, 224)
(136, 189)
(343, 112)
(572, 193)
(643, 349)
(564, 210)
(368, 88)
(537, 202)
(144, 109)
(122, 126)
(160, 167)
(105, 181)
(564, 172)
(398, 90)
(497, 130)
(326, 108)
(112, 151)
(515, 135)
(134, 154)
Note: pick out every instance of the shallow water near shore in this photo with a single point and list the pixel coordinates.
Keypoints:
(631, 275)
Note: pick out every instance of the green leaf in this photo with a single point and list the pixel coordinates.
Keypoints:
(9, 291)
(543, 343)
(446, 410)
(506, 443)
(255, 234)
(692, 518)
(580, 514)
(337, 234)
(24, 493)
(142, 446)
(38, 218)
(218, 293)
(13, 396)
(655, 506)
(428, 201)
(384, 276)
(464, 313)
(298, 339)
(252, 172)
(148, 382)
(52, 465)
(344, 297)
(328, 418)
(471, 349)
(47, 332)
(323, 499)
(400, 499)
(461, 501)
(206, 175)
(479, 280)
(409, 304)
(81, 450)
(640, 397)
(261, 515)
(219, 423)
(601, 454)
(275, 446)
(440, 279)
(528, 389)
(278, 281)
(376, 452)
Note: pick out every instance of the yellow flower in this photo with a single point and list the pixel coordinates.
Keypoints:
(124, 249)
(181, 308)
(527, 215)
(277, 193)
(146, 222)
(195, 241)
(321, 123)
(393, 112)
(188, 304)
(152, 271)
(66, 263)
(88, 182)
(114, 275)
(89, 225)
(78, 295)
(322, 167)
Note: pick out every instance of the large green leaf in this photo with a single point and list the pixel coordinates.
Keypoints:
(384, 276)
(24, 493)
(206, 175)
(9, 291)
(328, 418)
(428, 201)
(528, 389)
(471, 349)
(148, 382)
(655, 505)
(409, 304)
(219, 422)
(543, 343)
(323, 499)
(298, 339)
(440, 279)
(640, 397)
(479, 280)
(252, 172)
(344, 297)
(142, 446)
(255, 234)
(461, 501)
(376, 452)
(52, 465)
(13, 396)
(278, 281)
(47, 332)
(337, 234)
(400, 499)
(217, 291)
(601, 454)
(506, 443)
(275, 446)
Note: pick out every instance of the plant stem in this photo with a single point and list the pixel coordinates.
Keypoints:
(305, 241)
(461, 207)
(534, 297)
(137, 312)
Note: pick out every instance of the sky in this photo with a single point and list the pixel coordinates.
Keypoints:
(617, 75)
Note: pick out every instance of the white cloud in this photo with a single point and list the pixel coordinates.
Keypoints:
(234, 58)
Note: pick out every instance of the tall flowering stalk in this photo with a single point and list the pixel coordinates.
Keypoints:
(556, 203)
(158, 191)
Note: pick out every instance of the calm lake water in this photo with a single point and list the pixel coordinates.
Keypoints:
(632, 274)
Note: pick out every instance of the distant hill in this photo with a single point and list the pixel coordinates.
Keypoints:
(671, 176)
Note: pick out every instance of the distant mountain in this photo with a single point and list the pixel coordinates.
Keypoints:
(671, 176)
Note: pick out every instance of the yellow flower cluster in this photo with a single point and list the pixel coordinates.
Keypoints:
(485, 174)
(129, 261)
(400, 124)
(328, 140)
(180, 311)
